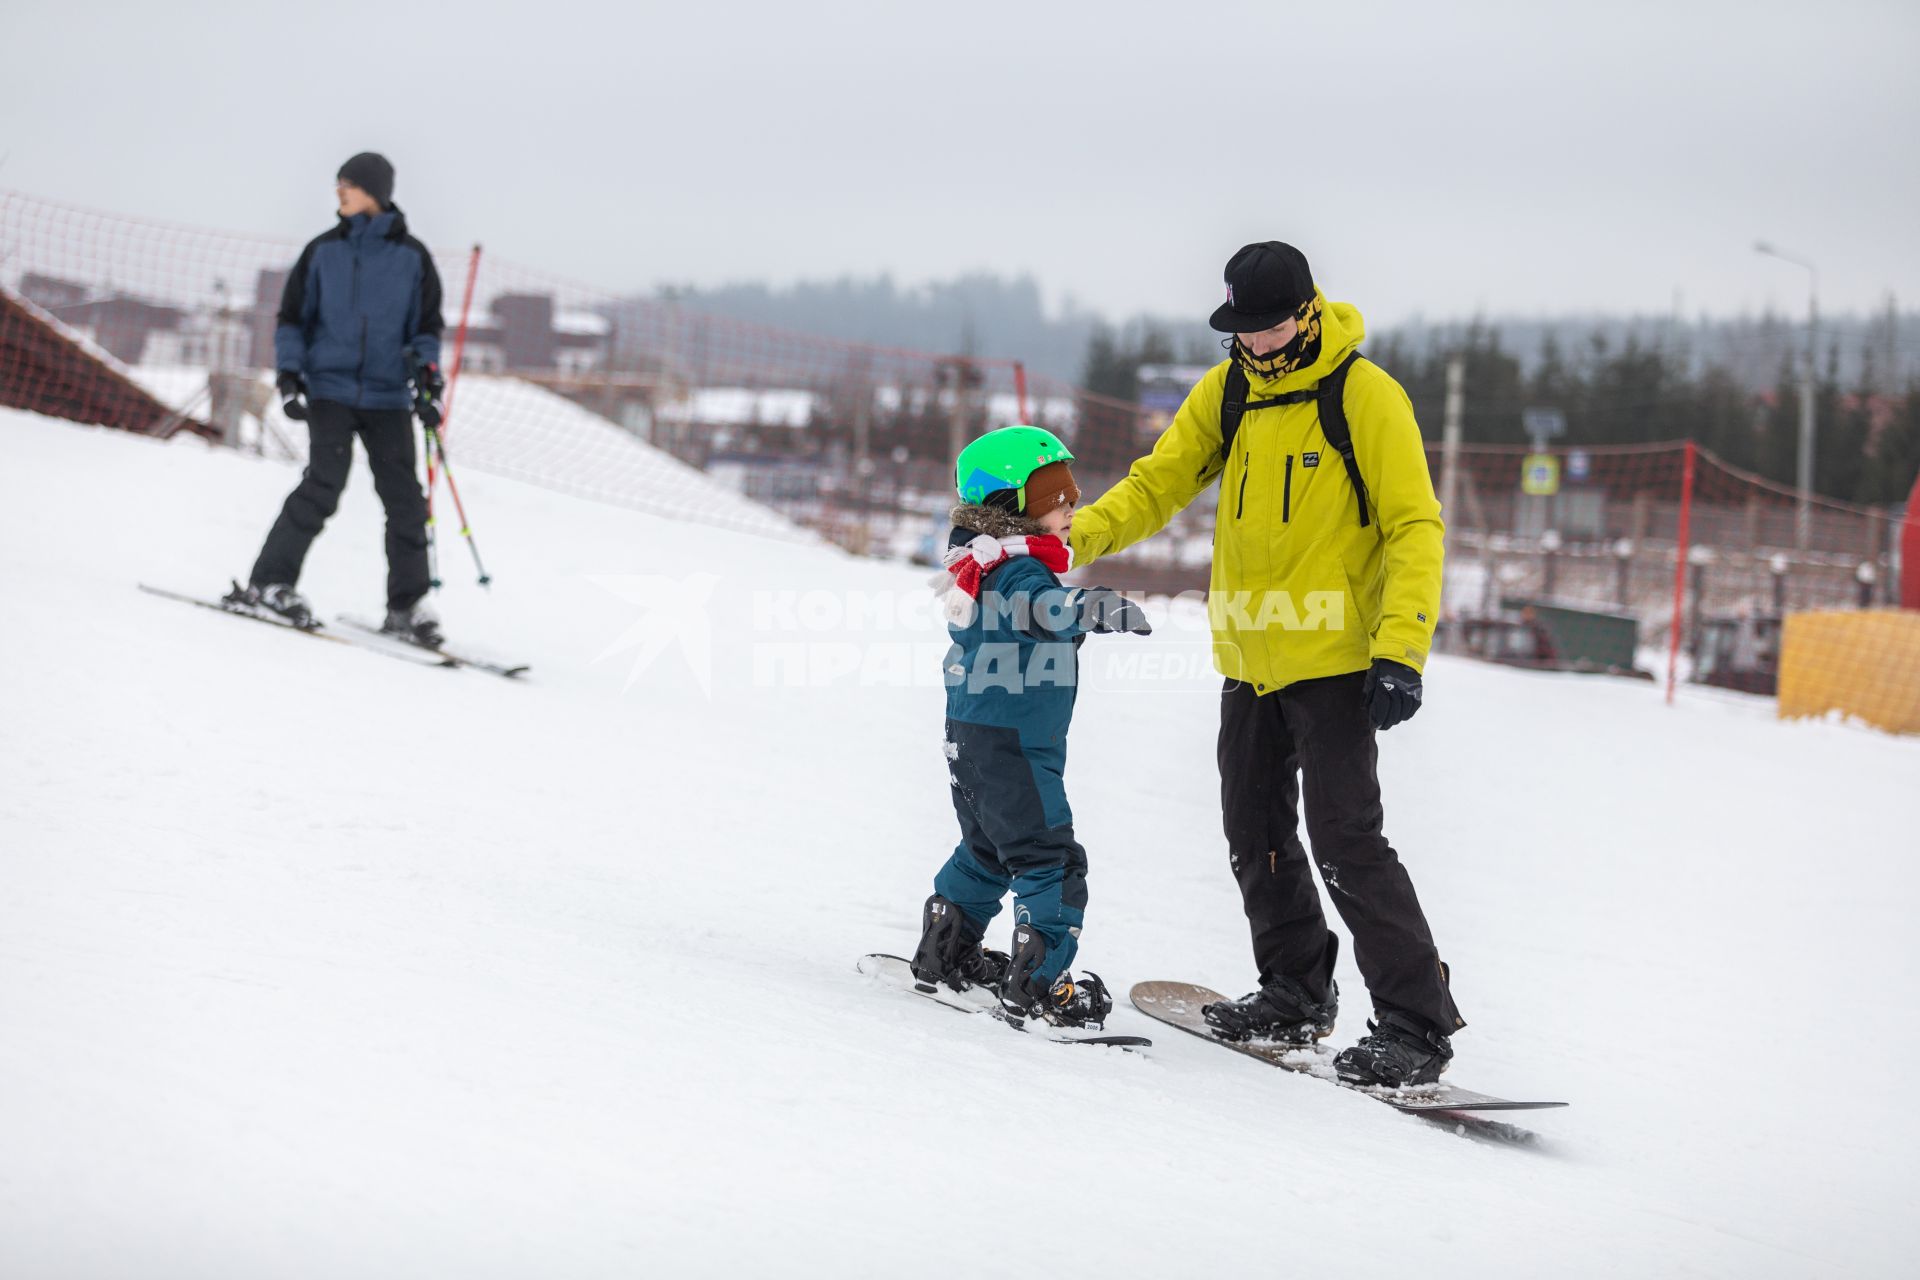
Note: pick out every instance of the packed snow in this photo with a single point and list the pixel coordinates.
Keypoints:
(314, 963)
(511, 427)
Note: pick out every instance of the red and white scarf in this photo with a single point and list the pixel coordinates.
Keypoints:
(969, 563)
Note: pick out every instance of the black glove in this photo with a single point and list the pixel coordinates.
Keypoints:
(293, 396)
(1392, 692)
(427, 386)
(1104, 611)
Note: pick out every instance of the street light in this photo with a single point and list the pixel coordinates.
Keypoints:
(1804, 516)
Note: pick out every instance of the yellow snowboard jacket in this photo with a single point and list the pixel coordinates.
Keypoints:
(1300, 589)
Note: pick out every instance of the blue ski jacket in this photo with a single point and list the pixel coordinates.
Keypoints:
(360, 297)
(1016, 665)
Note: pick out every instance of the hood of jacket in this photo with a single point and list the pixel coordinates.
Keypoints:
(388, 224)
(1342, 330)
(971, 519)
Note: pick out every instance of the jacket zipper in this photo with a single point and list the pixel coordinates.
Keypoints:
(1286, 494)
(1246, 469)
(360, 371)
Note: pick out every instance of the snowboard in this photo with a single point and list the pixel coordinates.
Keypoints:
(897, 974)
(1178, 1004)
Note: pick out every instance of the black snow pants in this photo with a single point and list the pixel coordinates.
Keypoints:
(387, 435)
(1319, 729)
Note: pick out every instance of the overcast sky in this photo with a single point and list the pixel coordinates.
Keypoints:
(1431, 159)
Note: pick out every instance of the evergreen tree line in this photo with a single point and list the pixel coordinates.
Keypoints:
(1618, 391)
(986, 315)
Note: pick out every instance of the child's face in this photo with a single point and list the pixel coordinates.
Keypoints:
(1058, 521)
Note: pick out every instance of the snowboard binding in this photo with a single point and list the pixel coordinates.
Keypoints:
(1064, 1002)
(1279, 1013)
(952, 950)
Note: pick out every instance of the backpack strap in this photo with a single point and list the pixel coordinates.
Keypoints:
(1234, 404)
(1333, 424)
(1330, 393)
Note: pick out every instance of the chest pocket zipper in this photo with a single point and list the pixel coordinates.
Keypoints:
(1286, 494)
(1246, 469)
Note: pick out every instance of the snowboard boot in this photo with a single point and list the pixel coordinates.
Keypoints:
(1280, 1013)
(1399, 1051)
(1064, 1002)
(274, 597)
(951, 949)
(416, 625)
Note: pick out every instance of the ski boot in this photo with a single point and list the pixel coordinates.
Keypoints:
(951, 949)
(1064, 1002)
(1399, 1051)
(1280, 1013)
(415, 624)
(274, 597)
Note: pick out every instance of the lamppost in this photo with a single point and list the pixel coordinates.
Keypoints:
(1804, 516)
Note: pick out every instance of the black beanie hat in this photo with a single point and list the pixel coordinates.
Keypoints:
(370, 172)
(1266, 283)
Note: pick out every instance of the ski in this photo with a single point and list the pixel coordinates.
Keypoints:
(896, 974)
(451, 657)
(317, 630)
(1178, 1004)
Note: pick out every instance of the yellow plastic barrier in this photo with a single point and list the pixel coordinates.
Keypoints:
(1865, 664)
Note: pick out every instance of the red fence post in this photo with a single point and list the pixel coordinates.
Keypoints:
(1681, 549)
(1910, 551)
(1020, 388)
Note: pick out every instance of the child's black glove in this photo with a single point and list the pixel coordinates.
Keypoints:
(1105, 611)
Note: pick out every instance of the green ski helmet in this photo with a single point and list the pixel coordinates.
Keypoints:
(1004, 459)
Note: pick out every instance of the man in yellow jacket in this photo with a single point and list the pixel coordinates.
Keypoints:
(1325, 588)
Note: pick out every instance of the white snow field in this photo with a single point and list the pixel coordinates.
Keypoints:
(314, 963)
(510, 427)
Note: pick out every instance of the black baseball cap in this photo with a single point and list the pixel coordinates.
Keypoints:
(1266, 283)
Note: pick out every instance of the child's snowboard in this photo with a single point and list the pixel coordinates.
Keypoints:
(896, 973)
(1178, 1004)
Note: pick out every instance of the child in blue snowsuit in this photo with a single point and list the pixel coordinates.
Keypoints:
(1011, 677)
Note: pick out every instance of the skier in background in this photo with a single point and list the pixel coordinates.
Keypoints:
(1349, 549)
(1012, 675)
(358, 351)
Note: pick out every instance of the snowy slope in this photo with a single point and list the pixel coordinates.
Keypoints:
(510, 427)
(316, 964)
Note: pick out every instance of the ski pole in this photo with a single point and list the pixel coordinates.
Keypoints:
(466, 530)
(453, 381)
(460, 336)
(433, 550)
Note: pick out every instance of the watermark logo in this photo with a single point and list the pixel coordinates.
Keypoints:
(674, 613)
(1249, 611)
(786, 638)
